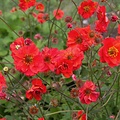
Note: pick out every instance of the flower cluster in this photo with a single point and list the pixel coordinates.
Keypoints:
(85, 48)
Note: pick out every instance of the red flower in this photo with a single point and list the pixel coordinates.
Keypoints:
(37, 89)
(118, 28)
(2, 86)
(25, 4)
(3, 119)
(81, 115)
(79, 37)
(41, 118)
(29, 59)
(101, 26)
(17, 44)
(101, 11)
(40, 7)
(49, 55)
(87, 8)
(65, 67)
(87, 93)
(58, 14)
(102, 23)
(0, 12)
(110, 52)
(71, 54)
(41, 17)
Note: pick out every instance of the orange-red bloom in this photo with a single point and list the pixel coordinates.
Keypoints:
(2, 86)
(82, 37)
(16, 45)
(81, 115)
(42, 17)
(87, 93)
(101, 11)
(29, 60)
(110, 52)
(102, 23)
(87, 8)
(40, 7)
(0, 12)
(73, 54)
(3, 119)
(48, 56)
(25, 4)
(64, 67)
(37, 89)
(58, 14)
(101, 26)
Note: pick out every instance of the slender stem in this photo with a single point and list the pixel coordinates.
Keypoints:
(53, 24)
(42, 113)
(9, 26)
(60, 112)
(79, 15)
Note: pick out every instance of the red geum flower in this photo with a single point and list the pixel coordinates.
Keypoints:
(64, 67)
(40, 7)
(0, 12)
(78, 37)
(37, 89)
(41, 17)
(101, 11)
(30, 60)
(41, 118)
(19, 43)
(58, 14)
(3, 119)
(87, 93)
(81, 115)
(3, 86)
(25, 4)
(71, 54)
(87, 8)
(101, 25)
(110, 52)
(49, 55)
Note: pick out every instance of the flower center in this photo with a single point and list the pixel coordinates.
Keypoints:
(27, 0)
(28, 59)
(91, 34)
(63, 67)
(113, 52)
(87, 8)
(87, 91)
(17, 47)
(47, 59)
(79, 40)
(70, 56)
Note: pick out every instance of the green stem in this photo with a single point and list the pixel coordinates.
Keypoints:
(53, 24)
(9, 26)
